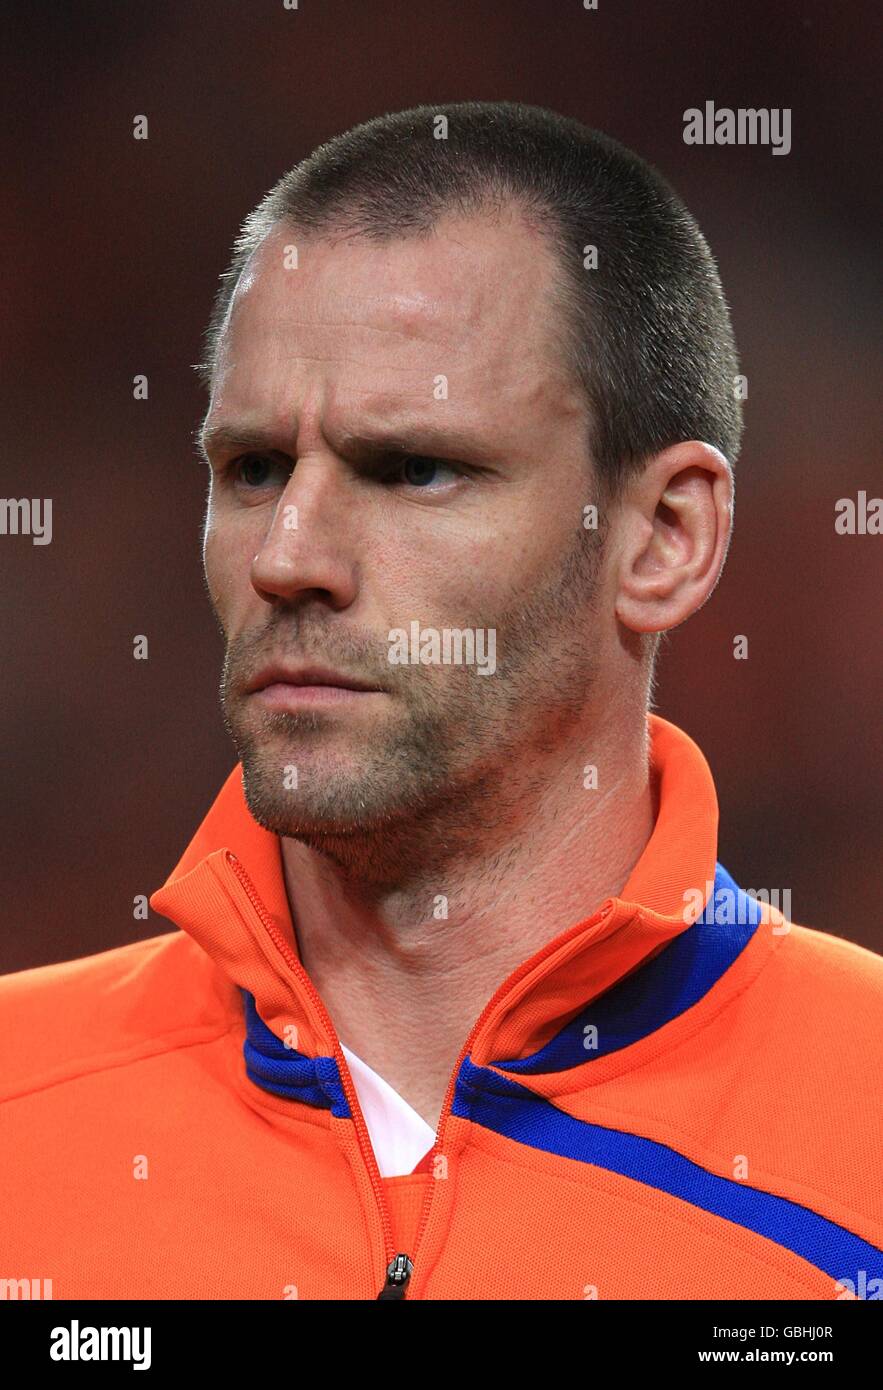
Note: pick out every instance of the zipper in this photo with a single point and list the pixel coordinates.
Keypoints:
(399, 1265)
(397, 1276)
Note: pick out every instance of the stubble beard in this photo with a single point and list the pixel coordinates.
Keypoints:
(452, 757)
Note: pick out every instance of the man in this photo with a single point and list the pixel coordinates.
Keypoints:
(459, 1003)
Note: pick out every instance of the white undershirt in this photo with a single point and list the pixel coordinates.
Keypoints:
(399, 1136)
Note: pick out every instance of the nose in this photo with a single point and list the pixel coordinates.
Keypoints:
(306, 549)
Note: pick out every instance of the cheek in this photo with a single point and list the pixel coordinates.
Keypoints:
(451, 565)
(495, 570)
(227, 554)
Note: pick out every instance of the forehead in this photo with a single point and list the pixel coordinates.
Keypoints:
(471, 300)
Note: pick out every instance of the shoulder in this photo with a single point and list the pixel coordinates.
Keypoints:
(810, 978)
(829, 968)
(821, 998)
(59, 1021)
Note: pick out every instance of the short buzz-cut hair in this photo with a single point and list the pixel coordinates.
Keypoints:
(643, 323)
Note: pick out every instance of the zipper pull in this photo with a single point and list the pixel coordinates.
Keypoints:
(397, 1276)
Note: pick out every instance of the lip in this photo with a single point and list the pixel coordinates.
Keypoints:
(279, 680)
(280, 696)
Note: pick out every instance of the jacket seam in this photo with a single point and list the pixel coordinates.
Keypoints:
(681, 1139)
(690, 1216)
(114, 1066)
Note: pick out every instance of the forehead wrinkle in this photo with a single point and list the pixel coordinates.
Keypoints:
(413, 312)
(525, 387)
(412, 327)
(422, 321)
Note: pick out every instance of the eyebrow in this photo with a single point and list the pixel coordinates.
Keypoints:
(228, 437)
(452, 442)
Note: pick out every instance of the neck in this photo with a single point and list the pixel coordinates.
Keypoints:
(405, 967)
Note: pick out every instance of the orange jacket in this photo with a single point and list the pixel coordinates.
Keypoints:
(651, 1106)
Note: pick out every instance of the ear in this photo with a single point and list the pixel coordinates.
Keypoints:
(673, 525)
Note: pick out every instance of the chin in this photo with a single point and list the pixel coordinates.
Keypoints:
(332, 797)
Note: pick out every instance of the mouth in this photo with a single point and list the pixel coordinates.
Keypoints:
(278, 687)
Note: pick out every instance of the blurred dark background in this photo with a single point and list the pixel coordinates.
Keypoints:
(113, 253)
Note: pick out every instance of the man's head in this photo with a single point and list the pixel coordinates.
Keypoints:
(422, 377)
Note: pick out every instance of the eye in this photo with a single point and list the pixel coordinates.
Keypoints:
(253, 472)
(422, 471)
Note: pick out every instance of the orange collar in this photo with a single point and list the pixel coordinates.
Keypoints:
(228, 892)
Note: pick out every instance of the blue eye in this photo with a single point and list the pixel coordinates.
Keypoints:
(419, 470)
